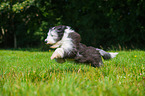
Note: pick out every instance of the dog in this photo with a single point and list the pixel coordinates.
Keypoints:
(67, 44)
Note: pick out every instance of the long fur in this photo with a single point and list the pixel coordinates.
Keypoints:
(67, 44)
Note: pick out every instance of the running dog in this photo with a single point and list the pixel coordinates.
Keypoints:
(68, 46)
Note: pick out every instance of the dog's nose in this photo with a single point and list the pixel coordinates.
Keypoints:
(47, 42)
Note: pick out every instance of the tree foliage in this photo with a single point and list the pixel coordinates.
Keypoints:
(106, 23)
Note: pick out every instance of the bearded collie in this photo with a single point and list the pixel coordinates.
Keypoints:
(68, 46)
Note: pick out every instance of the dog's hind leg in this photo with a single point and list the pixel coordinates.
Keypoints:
(106, 55)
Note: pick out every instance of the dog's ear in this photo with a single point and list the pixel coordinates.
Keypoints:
(61, 28)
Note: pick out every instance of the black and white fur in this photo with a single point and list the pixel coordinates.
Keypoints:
(60, 37)
(67, 44)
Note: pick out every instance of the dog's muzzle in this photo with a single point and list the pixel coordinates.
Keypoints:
(48, 42)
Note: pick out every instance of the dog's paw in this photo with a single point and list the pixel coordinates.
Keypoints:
(58, 53)
(54, 55)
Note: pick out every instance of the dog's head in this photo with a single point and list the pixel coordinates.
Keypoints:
(55, 34)
(62, 36)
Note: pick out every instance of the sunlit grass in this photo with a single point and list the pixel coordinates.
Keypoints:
(33, 73)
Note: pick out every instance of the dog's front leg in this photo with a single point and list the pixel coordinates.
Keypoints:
(56, 45)
(58, 53)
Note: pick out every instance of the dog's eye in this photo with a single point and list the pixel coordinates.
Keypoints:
(53, 35)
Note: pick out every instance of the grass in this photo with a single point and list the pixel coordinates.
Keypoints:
(32, 73)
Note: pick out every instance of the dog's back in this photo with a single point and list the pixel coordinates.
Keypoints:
(88, 55)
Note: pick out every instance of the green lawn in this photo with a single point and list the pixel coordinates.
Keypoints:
(33, 73)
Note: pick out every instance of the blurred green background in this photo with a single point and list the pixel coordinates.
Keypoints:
(101, 23)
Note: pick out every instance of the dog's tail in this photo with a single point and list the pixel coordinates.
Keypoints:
(107, 55)
(113, 54)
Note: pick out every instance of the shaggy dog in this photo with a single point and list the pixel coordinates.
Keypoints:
(67, 44)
